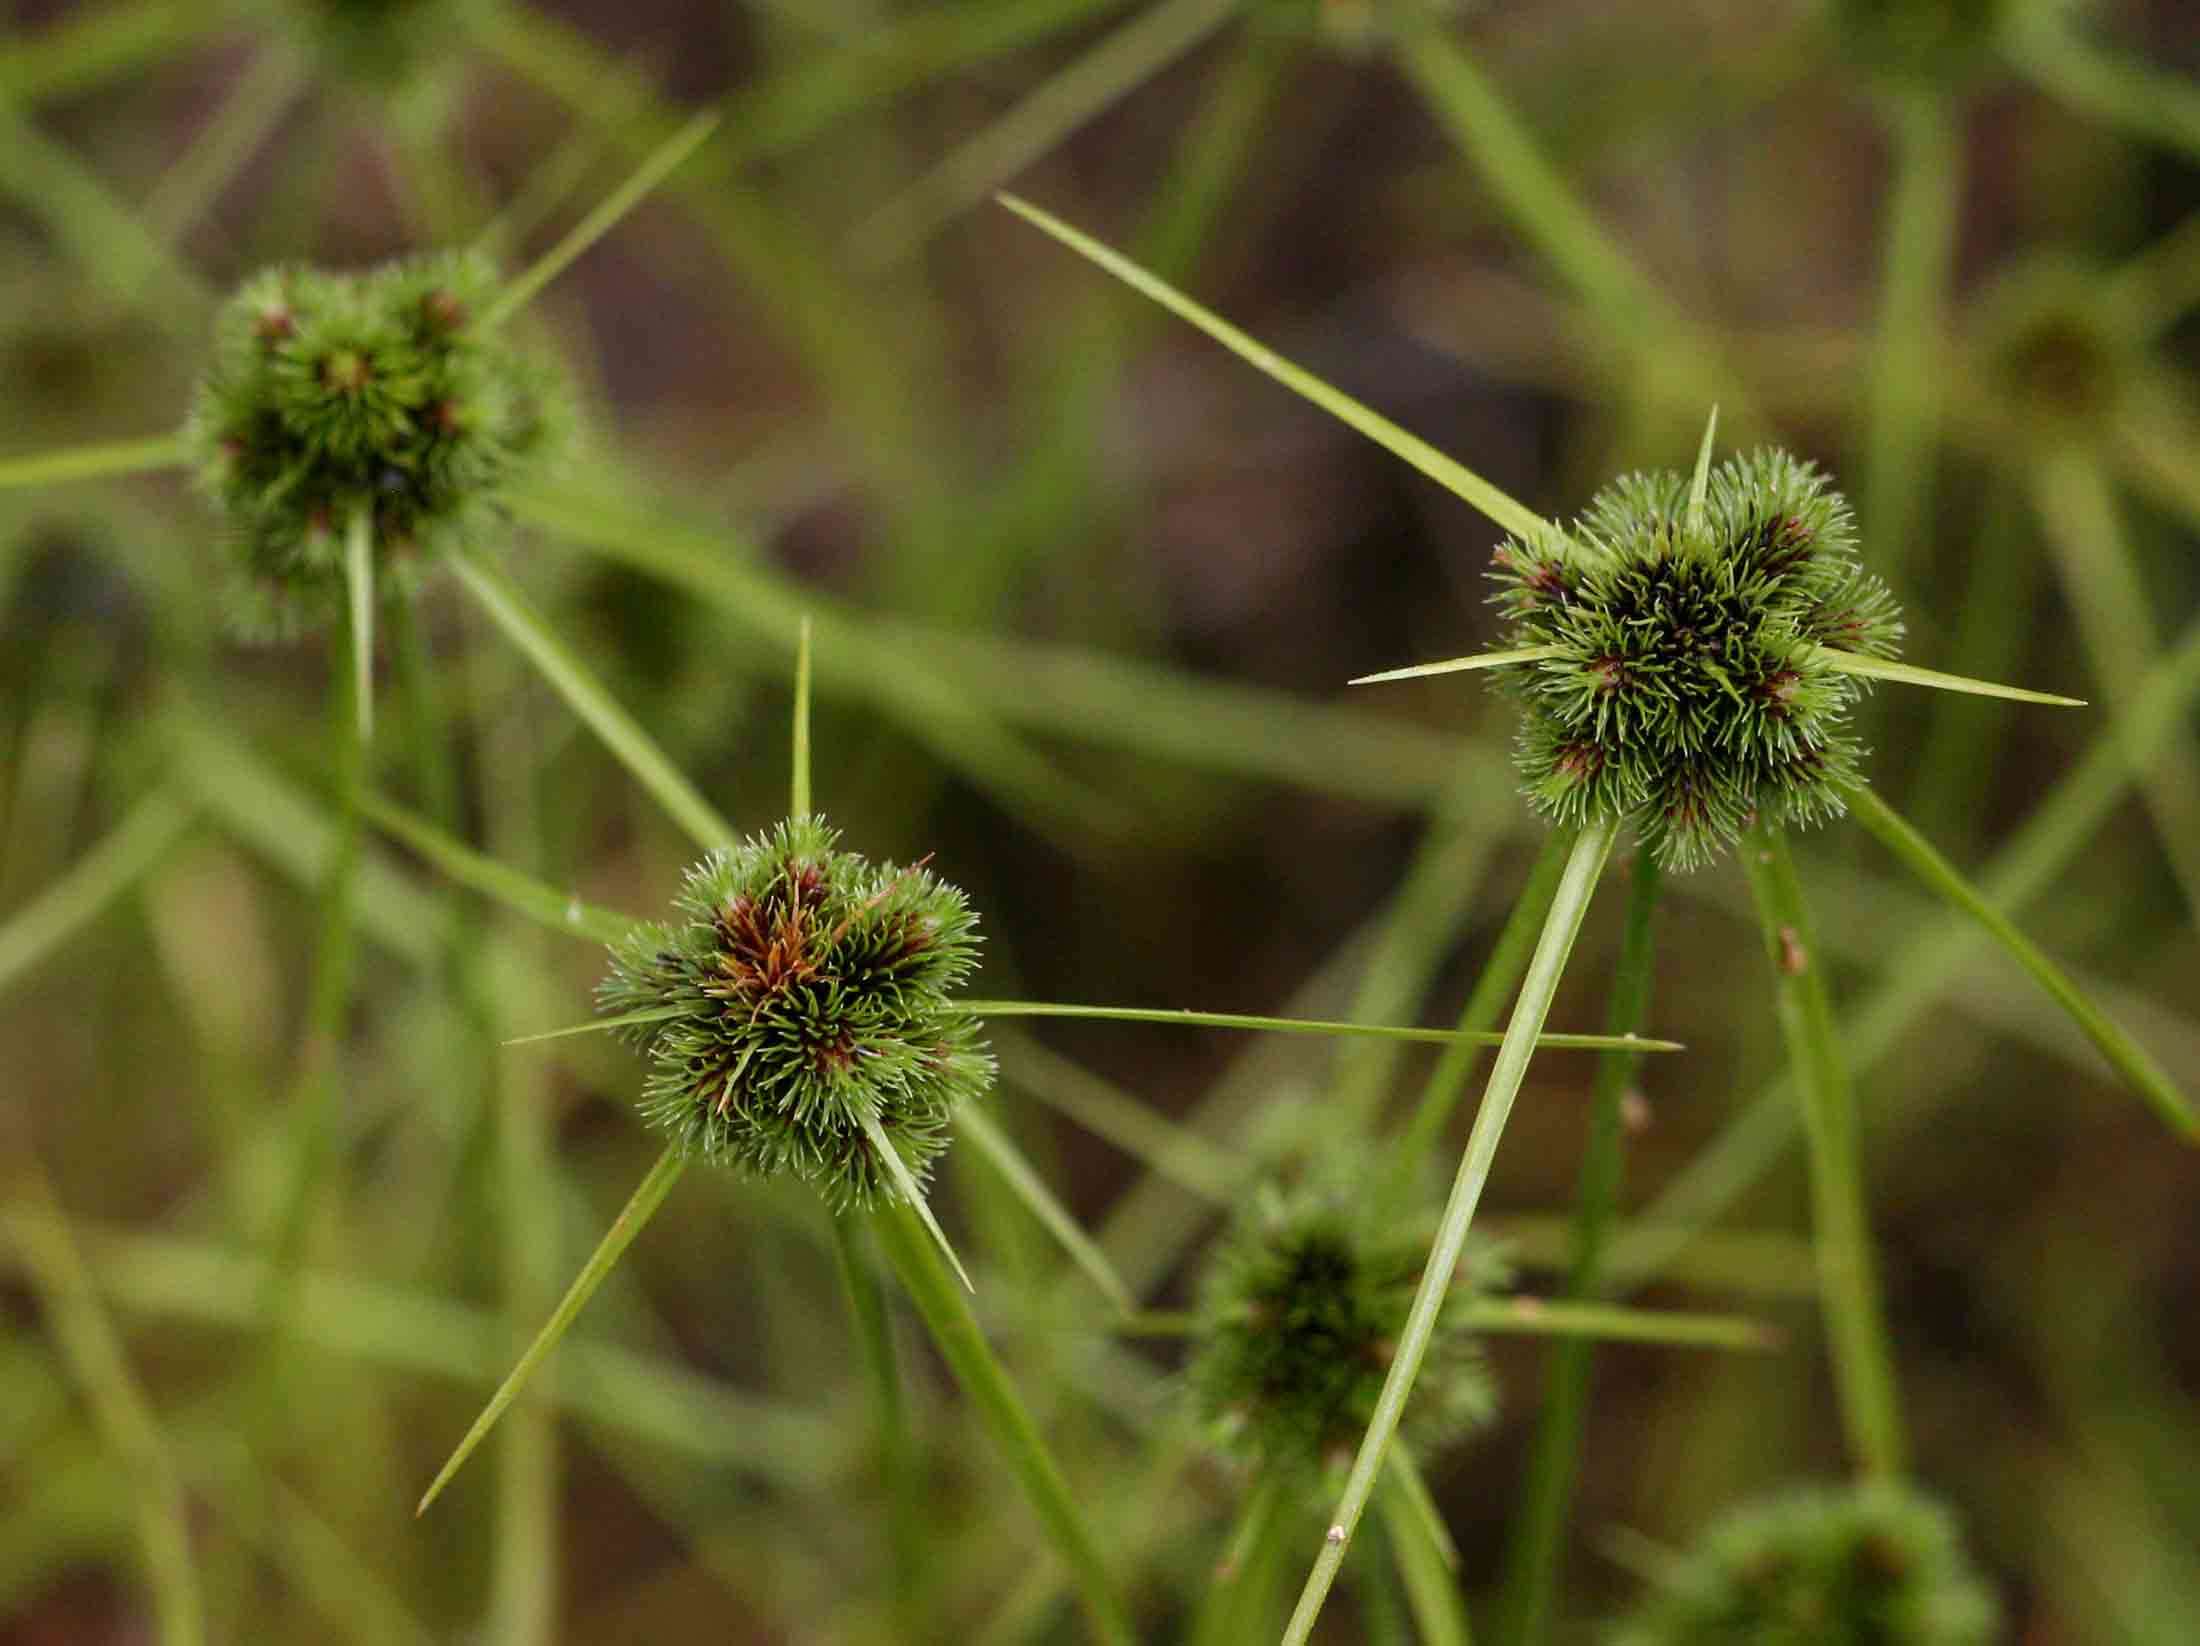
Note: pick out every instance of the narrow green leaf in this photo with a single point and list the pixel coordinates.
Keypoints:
(1699, 484)
(1164, 1146)
(1886, 668)
(92, 884)
(477, 871)
(913, 1193)
(1439, 1610)
(801, 790)
(1583, 866)
(1452, 475)
(1406, 1479)
(635, 749)
(101, 462)
(640, 1208)
(1310, 1025)
(2125, 1055)
(359, 584)
(985, 1382)
(1004, 1157)
(1611, 1323)
(602, 220)
(1459, 665)
(600, 1025)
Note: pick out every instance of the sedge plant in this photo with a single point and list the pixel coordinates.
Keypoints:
(801, 1016)
(1686, 658)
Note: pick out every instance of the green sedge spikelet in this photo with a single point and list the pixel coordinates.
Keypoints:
(1867, 1565)
(1299, 1314)
(330, 394)
(812, 990)
(1683, 691)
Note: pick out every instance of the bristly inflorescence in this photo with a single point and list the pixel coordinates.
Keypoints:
(812, 990)
(1299, 1315)
(332, 394)
(1869, 1565)
(1684, 690)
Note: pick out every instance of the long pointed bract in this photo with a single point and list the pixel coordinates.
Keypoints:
(913, 1192)
(359, 586)
(648, 1195)
(1583, 865)
(1310, 1025)
(1886, 668)
(1458, 665)
(1455, 477)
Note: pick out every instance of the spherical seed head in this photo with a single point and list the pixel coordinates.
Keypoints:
(1870, 1565)
(813, 989)
(1300, 1313)
(335, 393)
(1685, 696)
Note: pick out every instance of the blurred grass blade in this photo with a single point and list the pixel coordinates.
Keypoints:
(221, 150)
(522, 894)
(33, 1223)
(2156, 105)
(639, 1209)
(359, 586)
(1162, 1145)
(92, 884)
(633, 747)
(1458, 665)
(91, 45)
(102, 462)
(1584, 864)
(1310, 1025)
(1111, 70)
(1611, 1323)
(1418, 1545)
(1024, 1181)
(1406, 1479)
(600, 222)
(1453, 476)
(1886, 668)
(912, 1192)
(601, 1025)
(2126, 1056)
(946, 1311)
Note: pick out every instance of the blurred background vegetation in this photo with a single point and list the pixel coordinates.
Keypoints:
(1951, 251)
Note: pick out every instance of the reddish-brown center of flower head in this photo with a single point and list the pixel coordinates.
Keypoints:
(810, 991)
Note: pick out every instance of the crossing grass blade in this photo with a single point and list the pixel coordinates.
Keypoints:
(1005, 1158)
(1310, 1026)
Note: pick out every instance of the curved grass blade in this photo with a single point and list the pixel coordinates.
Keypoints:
(1017, 1172)
(600, 222)
(1453, 476)
(1886, 668)
(1312, 1026)
(2125, 1055)
(1612, 1323)
(634, 748)
(477, 871)
(101, 462)
(1584, 864)
(1459, 665)
(946, 1311)
(640, 1207)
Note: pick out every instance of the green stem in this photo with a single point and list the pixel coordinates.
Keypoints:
(1229, 1610)
(2125, 1055)
(621, 734)
(648, 1195)
(93, 44)
(1432, 1587)
(946, 1311)
(889, 1409)
(1856, 1324)
(359, 585)
(1538, 1539)
(799, 793)
(227, 143)
(101, 462)
(1576, 885)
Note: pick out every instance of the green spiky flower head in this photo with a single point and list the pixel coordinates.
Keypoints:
(1869, 1565)
(812, 994)
(1683, 690)
(1300, 1312)
(336, 394)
